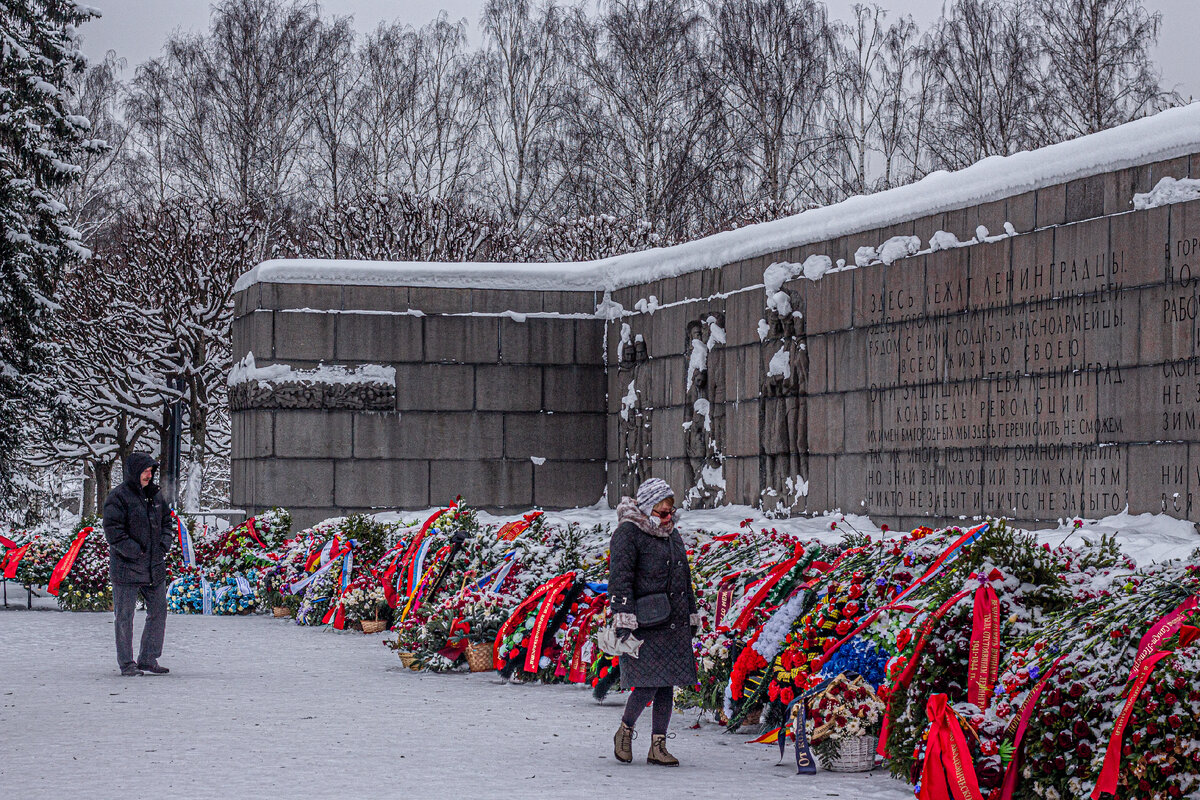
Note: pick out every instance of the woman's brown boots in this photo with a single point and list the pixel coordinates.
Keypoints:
(623, 743)
(658, 752)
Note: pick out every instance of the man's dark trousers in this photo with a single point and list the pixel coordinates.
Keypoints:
(125, 597)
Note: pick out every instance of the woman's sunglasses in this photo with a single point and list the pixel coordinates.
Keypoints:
(663, 514)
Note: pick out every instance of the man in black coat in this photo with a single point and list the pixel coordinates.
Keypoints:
(139, 529)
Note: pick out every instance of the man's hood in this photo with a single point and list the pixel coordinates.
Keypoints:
(135, 465)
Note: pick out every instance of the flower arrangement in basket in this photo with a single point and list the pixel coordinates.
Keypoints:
(365, 603)
(481, 618)
(843, 724)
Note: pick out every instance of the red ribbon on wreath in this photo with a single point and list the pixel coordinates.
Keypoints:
(518, 614)
(1013, 772)
(67, 561)
(948, 771)
(13, 560)
(983, 664)
(911, 667)
(534, 653)
(1111, 771)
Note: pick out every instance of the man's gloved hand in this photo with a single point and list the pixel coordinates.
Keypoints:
(623, 634)
(695, 630)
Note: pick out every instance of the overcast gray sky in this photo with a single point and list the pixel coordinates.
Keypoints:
(136, 29)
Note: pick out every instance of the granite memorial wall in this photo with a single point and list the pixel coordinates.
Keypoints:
(1050, 369)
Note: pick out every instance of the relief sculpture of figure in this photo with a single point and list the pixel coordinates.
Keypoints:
(633, 423)
(703, 432)
(783, 429)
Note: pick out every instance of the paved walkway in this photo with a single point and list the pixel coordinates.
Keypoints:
(256, 705)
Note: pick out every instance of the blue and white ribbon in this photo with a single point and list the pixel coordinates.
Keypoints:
(185, 544)
(243, 585)
(206, 594)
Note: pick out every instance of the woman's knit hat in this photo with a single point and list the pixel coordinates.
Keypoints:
(651, 493)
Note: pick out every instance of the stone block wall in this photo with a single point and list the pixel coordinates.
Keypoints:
(485, 383)
(1042, 375)
(1048, 373)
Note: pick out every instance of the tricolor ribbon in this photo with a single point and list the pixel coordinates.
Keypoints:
(948, 557)
(496, 575)
(63, 567)
(329, 557)
(944, 560)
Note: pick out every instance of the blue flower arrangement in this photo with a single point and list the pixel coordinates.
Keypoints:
(858, 655)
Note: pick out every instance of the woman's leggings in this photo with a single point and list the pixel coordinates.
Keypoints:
(663, 697)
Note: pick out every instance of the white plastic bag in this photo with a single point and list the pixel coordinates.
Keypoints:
(609, 643)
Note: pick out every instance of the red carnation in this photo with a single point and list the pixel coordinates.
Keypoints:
(903, 638)
(1174, 721)
(842, 628)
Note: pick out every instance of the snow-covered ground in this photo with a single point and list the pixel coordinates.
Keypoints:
(256, 705)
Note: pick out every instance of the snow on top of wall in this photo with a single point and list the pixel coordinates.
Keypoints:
(246, 371)
(1169, 134)
(1168, 191)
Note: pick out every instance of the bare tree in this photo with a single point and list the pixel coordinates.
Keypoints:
(643, 110)
(330, 112)
(1103, 74)
(154, 303)
(420, 111)
(990, 73)
(385, 108)
(772, 60)
(523, 72)
(98, 191)
(404, 227)
(856, 100)
(226, 111)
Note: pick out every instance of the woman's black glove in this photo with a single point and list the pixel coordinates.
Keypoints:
(623, 634)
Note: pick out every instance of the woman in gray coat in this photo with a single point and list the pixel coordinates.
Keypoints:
(647, 559)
